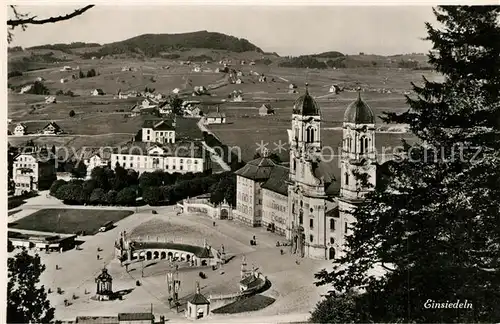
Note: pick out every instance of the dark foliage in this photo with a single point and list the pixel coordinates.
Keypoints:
(26, 301)
(152, 45)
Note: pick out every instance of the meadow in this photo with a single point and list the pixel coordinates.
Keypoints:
(69, 221)
(102, 120)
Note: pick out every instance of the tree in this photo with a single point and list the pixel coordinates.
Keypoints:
(176, 104)
(126, 197)
(71, 113)
(79, 170)
(23, 20)
(102, 177)
(26, 302)
(55, 186)
(431, 220)
(111, 197)
(81, 75)
(152, 196)
(98, 196)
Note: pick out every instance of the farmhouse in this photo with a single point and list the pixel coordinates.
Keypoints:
(266, 110)
(66, 68)
(238, 98)
(26, 89)
(97, 92)
(334, 89)
(39, 79)
(165, 109)
(176, 91)
(94, 157)
(197, 69)
(292, 86)
(215, 117)
(50, 99)
(158, 131)
(20, 129)
(149, 103)
(262, 78)
(238, 81)
(51, 129)
(181, 157)
(64, 80)
(33, 170)
(307, 203)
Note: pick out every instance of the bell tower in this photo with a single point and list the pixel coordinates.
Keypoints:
(306, 190)
(358, 161)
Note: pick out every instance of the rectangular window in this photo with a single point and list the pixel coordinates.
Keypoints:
(195, 161)
(180, 167)
(311, 223)
(124, 158)
(182, 160)
(149, 132)
(311, 238)
(147, 138)
(346, 227)
(131, 165)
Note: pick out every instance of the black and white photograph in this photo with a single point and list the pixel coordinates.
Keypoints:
(233, 162)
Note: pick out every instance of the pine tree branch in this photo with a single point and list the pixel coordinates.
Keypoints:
(19, 22)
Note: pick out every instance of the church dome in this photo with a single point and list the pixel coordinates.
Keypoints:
(359, 112)
(305, 105)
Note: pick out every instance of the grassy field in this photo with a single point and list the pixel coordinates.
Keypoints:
(101, 115)
(69, 221)
(250, 304)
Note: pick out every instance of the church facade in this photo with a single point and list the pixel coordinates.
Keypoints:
(306, 203)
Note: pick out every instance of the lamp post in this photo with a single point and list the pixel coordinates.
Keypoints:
(142, 255)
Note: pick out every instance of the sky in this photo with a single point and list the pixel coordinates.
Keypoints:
(287, 30)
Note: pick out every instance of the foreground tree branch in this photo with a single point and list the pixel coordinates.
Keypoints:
(33, 21)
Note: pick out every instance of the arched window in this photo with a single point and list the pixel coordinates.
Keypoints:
(301, 217)
(346, 178)
(312, 135)
(350, 144)
(366, 144)
(332, 224)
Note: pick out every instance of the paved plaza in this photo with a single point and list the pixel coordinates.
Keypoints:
(291, 283)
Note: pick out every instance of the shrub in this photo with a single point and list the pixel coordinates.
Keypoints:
(72, 113)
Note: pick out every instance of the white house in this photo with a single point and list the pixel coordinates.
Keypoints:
(158, 131)
(197, 69)
(94, 157)
(180, 157)
(26, 89)
(33, 171)
(50, 99)
(51, 129)
(149, 103)
(20, 129)
(64, 80)
(238, 81)
(215, 117)
(176, 91)
(266, 110)
(238, 98)
(66, 68)
(39, 79)
(97, 92)
(165, 109)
